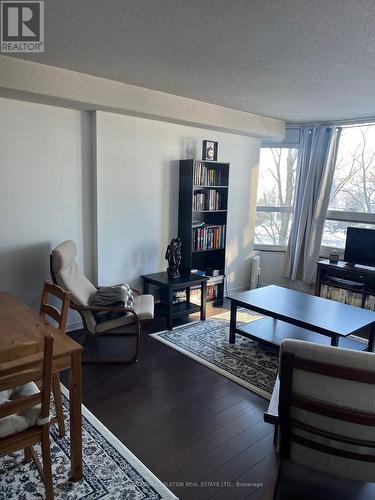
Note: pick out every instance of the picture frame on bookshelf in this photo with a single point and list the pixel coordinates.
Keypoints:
(209, 150)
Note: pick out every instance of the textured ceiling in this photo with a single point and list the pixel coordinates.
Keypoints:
(299, 60)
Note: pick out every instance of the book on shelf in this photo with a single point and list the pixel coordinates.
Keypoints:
(213, 280)
(214, 199)
(213, 294)
(199, 201)
(198, 224)
(206, 176)
(207, 200)
(208, 237)
(198, 272)
(216, 280)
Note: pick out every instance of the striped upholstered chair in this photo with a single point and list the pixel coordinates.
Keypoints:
(323, 407)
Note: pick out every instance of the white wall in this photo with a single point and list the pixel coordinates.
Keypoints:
(43, 156)
(137, 194)
(49, 193)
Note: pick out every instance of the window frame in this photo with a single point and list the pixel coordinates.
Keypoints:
(334, 215)
(281, 145)
(347, 216)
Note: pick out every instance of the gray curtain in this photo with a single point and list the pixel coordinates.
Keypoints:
(317, 159)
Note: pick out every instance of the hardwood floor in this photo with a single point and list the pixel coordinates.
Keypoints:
(199, 432)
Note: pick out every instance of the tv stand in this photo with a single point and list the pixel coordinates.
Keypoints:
(346, 276)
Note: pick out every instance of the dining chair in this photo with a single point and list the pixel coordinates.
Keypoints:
(25, 409)
(66, 273)
(60, 316)
(323, 410)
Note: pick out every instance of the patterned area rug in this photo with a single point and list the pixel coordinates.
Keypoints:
(111, 471)
(247, 362)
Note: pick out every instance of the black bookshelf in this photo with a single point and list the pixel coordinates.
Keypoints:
(202, 218)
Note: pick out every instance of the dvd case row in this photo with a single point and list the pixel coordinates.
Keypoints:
(347, 297)
(207, 200)
(205, 176)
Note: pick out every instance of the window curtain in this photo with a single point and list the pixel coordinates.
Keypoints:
(317, 158)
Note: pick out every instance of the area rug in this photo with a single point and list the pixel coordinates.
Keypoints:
(111, 471)
(247, 362)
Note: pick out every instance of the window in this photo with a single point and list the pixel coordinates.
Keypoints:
(275, 199)
(352, 200)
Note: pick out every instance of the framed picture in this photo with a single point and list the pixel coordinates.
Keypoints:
(209, 150)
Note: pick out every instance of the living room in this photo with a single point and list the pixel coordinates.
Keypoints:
(173, 172)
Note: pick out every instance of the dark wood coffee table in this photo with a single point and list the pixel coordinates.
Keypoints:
(297, 315)
(167, 286)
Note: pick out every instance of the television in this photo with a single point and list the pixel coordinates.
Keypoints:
(360, 246)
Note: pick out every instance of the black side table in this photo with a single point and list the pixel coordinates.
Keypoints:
(167, 286)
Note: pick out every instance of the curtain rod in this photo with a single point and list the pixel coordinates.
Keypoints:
(352, 121)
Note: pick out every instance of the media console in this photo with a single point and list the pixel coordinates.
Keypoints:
(357, 279)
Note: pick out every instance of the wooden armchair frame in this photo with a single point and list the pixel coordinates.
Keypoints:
(110, 333)
(20, 368)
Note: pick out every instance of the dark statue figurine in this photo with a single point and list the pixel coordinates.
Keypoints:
(173, 256)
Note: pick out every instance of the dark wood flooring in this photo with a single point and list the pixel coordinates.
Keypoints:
(200, 433)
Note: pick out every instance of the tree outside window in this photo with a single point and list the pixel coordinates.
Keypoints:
(352, 200)
(275, 200)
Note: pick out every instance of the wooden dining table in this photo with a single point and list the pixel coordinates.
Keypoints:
(20, 325)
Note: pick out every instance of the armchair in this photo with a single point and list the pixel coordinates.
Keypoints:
(66, 273)
(323, 409)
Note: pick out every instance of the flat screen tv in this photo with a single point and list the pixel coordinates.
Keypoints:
(360, 246)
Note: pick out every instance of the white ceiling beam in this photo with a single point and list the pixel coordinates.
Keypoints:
(30, 81)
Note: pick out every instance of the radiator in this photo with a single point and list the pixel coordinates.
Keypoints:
(255, 271)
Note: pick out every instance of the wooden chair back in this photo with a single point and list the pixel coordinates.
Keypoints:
(46, 309)
(23, 367)
(291, 427)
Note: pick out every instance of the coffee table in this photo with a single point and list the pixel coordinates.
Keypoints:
(168, 286)
(296, 315)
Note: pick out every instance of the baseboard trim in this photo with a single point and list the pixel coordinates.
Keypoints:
(292, 286)
(238, 289)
